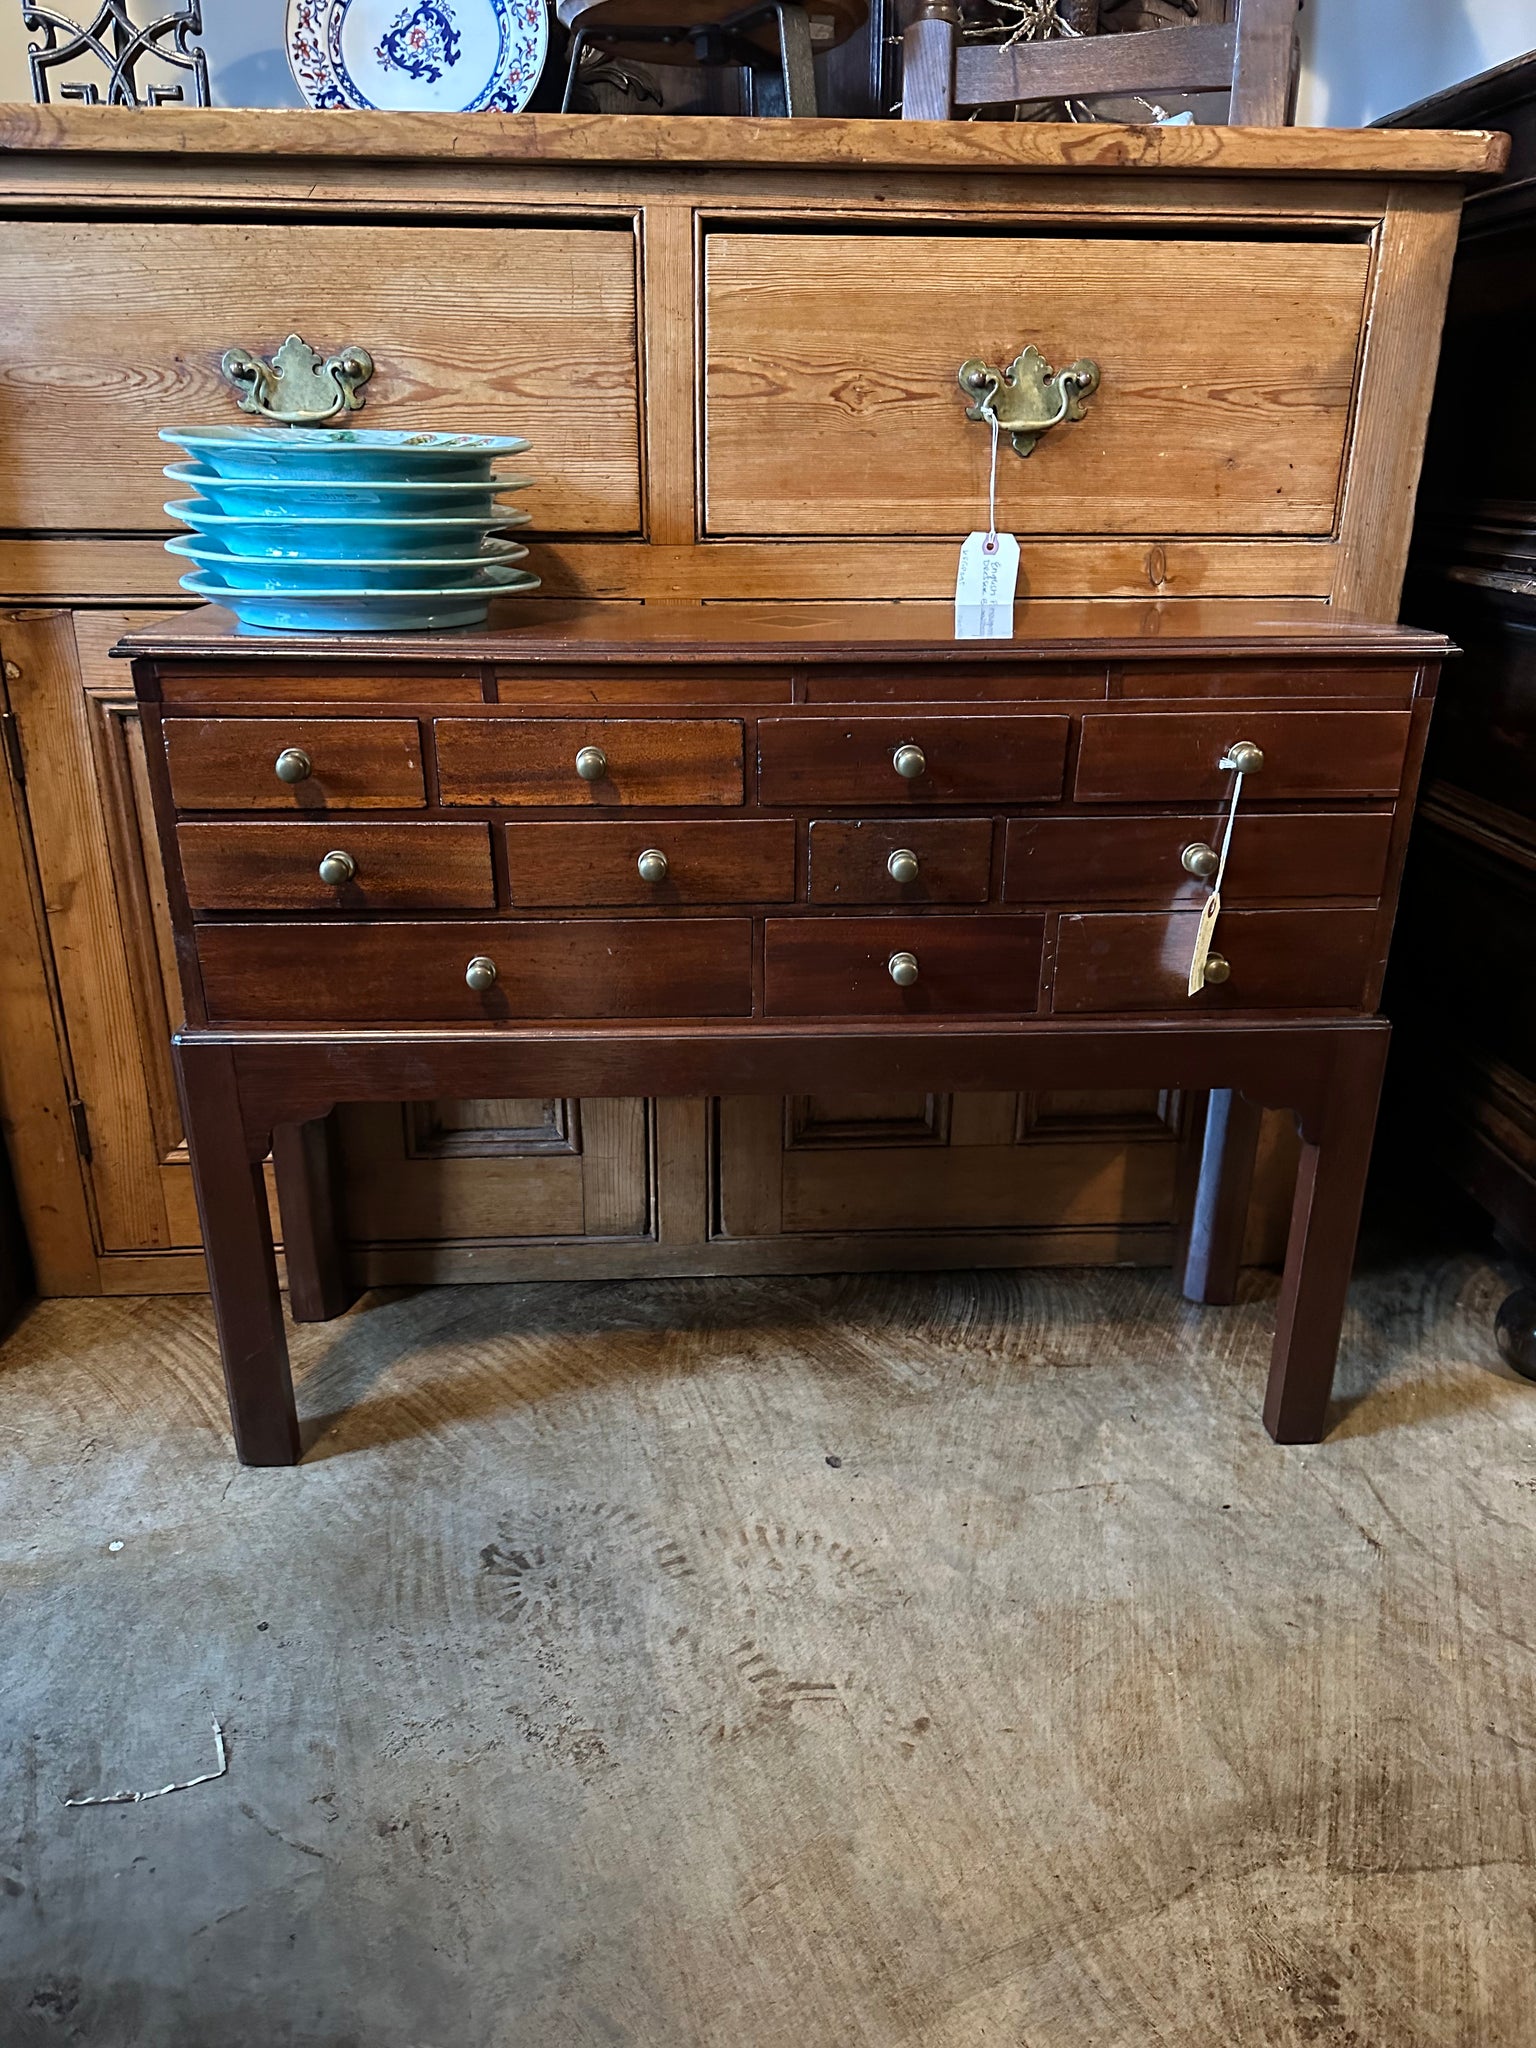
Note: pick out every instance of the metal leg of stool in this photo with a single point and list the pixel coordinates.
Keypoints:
(578, 44)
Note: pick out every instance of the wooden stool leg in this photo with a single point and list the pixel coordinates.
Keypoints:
(1213, 1254)
(1325, 1221)
(795, 56)
(573, 65)
(242, 1269)
(304, 1158)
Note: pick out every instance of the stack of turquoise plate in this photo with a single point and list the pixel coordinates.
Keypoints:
(347, 529)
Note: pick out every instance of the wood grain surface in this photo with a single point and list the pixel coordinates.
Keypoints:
(1314, 854)
(968, 760)
(356, 764)
(1171, 757)
(1291, 959)
(745, 861)
(838, 967)
(532, 761)
(849, 860)
(436, 866)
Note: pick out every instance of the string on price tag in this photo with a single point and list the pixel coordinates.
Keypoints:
(1205, 931)
(989, 572)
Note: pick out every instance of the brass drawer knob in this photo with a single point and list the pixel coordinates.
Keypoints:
(652, 865)
(591, 764)
(1217, 967)
(1245, 757)
(1200, 859)
(481, 974)
(293, 765)
(909, 762)
(902, 865)
(337, 868)
(902, 968)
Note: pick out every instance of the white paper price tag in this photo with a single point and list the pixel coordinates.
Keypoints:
(984, 587)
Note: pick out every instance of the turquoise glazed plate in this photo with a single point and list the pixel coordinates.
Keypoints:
(422, 611)
(340, 539)
(372, 454)
(296, 573)
(301, 497)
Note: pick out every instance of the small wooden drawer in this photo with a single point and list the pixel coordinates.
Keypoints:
(1175, 756)
(355, 764)
(395, 867)
(533, 761)
(841, 966)
(851, 861)
(1266, 679)
(415, 973)
(742, 860)
(1280, 959)
(1307, 854)
(958, 760)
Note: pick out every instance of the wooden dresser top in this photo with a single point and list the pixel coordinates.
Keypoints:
(543, 630)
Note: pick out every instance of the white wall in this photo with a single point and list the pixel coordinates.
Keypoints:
(1361, 57)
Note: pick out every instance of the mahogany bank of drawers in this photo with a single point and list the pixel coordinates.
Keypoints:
(613, 849)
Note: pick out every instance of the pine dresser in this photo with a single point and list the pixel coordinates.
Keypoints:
(735, 347)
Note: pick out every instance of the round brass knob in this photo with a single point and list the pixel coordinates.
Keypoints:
(1200, 859)
(591, 764)
(293, 765)
(902, 968)
(1218, 967)
(909, 762)
(481, 974)
(1245, 757)
(902, 865)
(652, 865)
(337, 868)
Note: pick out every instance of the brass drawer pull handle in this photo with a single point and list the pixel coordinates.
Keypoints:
(902, 865)
(1028, 398)
(293, 765)
(338, 868)
(652, 865)
(1200, 859)
(481, 974)
(1217, 967)
(298, 386)
(1244, 756)
(591, 764)
(902, 968)
(909, 762)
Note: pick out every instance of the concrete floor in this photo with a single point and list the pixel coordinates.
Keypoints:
(938, 1661)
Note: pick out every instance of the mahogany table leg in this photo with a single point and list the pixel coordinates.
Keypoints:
(242, 1269)
(304, 1158)
(1213, 1252)
(1325, 1221)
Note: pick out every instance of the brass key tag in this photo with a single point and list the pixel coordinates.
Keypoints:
(1205, 931)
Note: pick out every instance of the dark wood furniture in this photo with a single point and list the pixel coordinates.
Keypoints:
(776, 40)
(607, 849)
(1464, 1073)
(1245, 48)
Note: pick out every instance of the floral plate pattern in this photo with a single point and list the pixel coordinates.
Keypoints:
(422, 56)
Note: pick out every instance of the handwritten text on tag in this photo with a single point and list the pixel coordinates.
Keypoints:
(984, 587)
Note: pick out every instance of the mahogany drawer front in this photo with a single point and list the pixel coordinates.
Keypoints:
(1254, 679)
(851, 860)
(840, 966)
(1307, 854)
(532, 761)
(963, 760)
(395, 867)
(1281, 960)
(414, 973)
(593, 862)
(1175, 756)
(355, 764)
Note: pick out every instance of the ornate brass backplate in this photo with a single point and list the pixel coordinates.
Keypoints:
(1029, 397)
(299, 386)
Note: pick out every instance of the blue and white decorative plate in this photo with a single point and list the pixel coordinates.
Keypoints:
(418, 56)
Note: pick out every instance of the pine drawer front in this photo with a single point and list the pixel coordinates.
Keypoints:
(1296, 855)
(842, 966)
(1176, 756)
(594, 762)
(593, 862)
(394, 867)
(900, 860)
(947, 760)
(328, 764)
(415, 974)
(497, 329)
(1228, 373)
(1280, 960)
